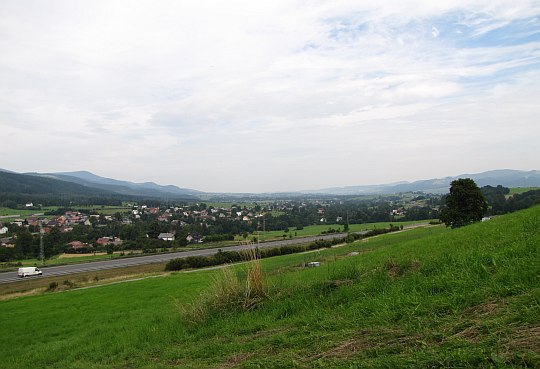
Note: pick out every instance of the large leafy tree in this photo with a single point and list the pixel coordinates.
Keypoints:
(465, 204)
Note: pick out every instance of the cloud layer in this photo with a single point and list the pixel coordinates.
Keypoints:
(248, 96)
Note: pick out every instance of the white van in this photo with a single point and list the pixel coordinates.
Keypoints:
(29, 271)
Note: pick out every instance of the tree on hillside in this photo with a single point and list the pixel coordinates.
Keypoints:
(465, 204)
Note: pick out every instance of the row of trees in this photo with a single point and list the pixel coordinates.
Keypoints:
(466, 203)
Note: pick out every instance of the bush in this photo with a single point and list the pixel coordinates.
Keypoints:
(69, 283)
(218, 238)
(52, 286)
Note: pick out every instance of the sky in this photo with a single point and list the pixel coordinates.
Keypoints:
(267, 96)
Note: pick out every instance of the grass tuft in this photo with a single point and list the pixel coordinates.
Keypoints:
(229, 292)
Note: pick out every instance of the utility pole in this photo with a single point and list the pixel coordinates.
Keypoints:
(41, 248)
(258, 233)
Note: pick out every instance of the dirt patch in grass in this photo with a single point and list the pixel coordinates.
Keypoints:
(369, 339)
(525, 339)
(485, 309)
(474, 319)
(235, 360)
(262, 334)
(396, 269)
(473, 334)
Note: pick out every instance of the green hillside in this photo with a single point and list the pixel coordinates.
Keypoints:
(431, 297)
(13, 183)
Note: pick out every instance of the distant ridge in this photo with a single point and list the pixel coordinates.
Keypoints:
(94, 184)
(148, 189)
(23, 184)
(504, 177)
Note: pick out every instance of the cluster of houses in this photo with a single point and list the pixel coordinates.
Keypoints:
(78, 246)
(172, 215)
(5, 241)
(64, 223)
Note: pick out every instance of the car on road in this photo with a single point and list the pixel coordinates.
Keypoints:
(29, 271)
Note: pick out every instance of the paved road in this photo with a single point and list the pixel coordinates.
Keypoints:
(148, 259)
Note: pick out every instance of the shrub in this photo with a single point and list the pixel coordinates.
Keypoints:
(68, 283)
(52, 286)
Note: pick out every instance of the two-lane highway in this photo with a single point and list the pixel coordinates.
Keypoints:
(8, 277)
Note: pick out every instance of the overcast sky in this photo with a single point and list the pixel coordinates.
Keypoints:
(254, 96)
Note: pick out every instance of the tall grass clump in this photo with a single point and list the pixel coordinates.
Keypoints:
(230, 292)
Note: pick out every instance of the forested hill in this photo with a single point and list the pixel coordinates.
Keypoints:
(16, 189)
(13, 183)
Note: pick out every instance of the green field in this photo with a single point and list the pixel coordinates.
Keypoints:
(14, 213)
(315, 230)
(104, 209)
(520, 190)
(428, 297)
(11, 214)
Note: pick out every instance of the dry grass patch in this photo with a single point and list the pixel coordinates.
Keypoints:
(525, 339)
(370, 339)
(235, 360)
(485, 309)
(71, 256)
(229, 292)
(396, 269)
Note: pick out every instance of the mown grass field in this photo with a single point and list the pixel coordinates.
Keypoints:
(15, 213)
(105, 209)
(430, 297)
(23, 213)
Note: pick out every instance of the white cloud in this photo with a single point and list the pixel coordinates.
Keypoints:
(218, 90)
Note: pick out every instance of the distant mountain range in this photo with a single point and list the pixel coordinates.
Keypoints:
(15, 184)
(503, 177)
(148, 189)
(86, 184)
(89, 184)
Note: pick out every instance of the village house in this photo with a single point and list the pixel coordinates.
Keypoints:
(166, 236)
(32, 221)
(18, 222)
(102, 241)
(7, 242)
(64, 229)
(164, 217)
(79, 246)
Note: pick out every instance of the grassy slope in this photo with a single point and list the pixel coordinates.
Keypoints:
(520, 190)
(423, 298)
(314, 230)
